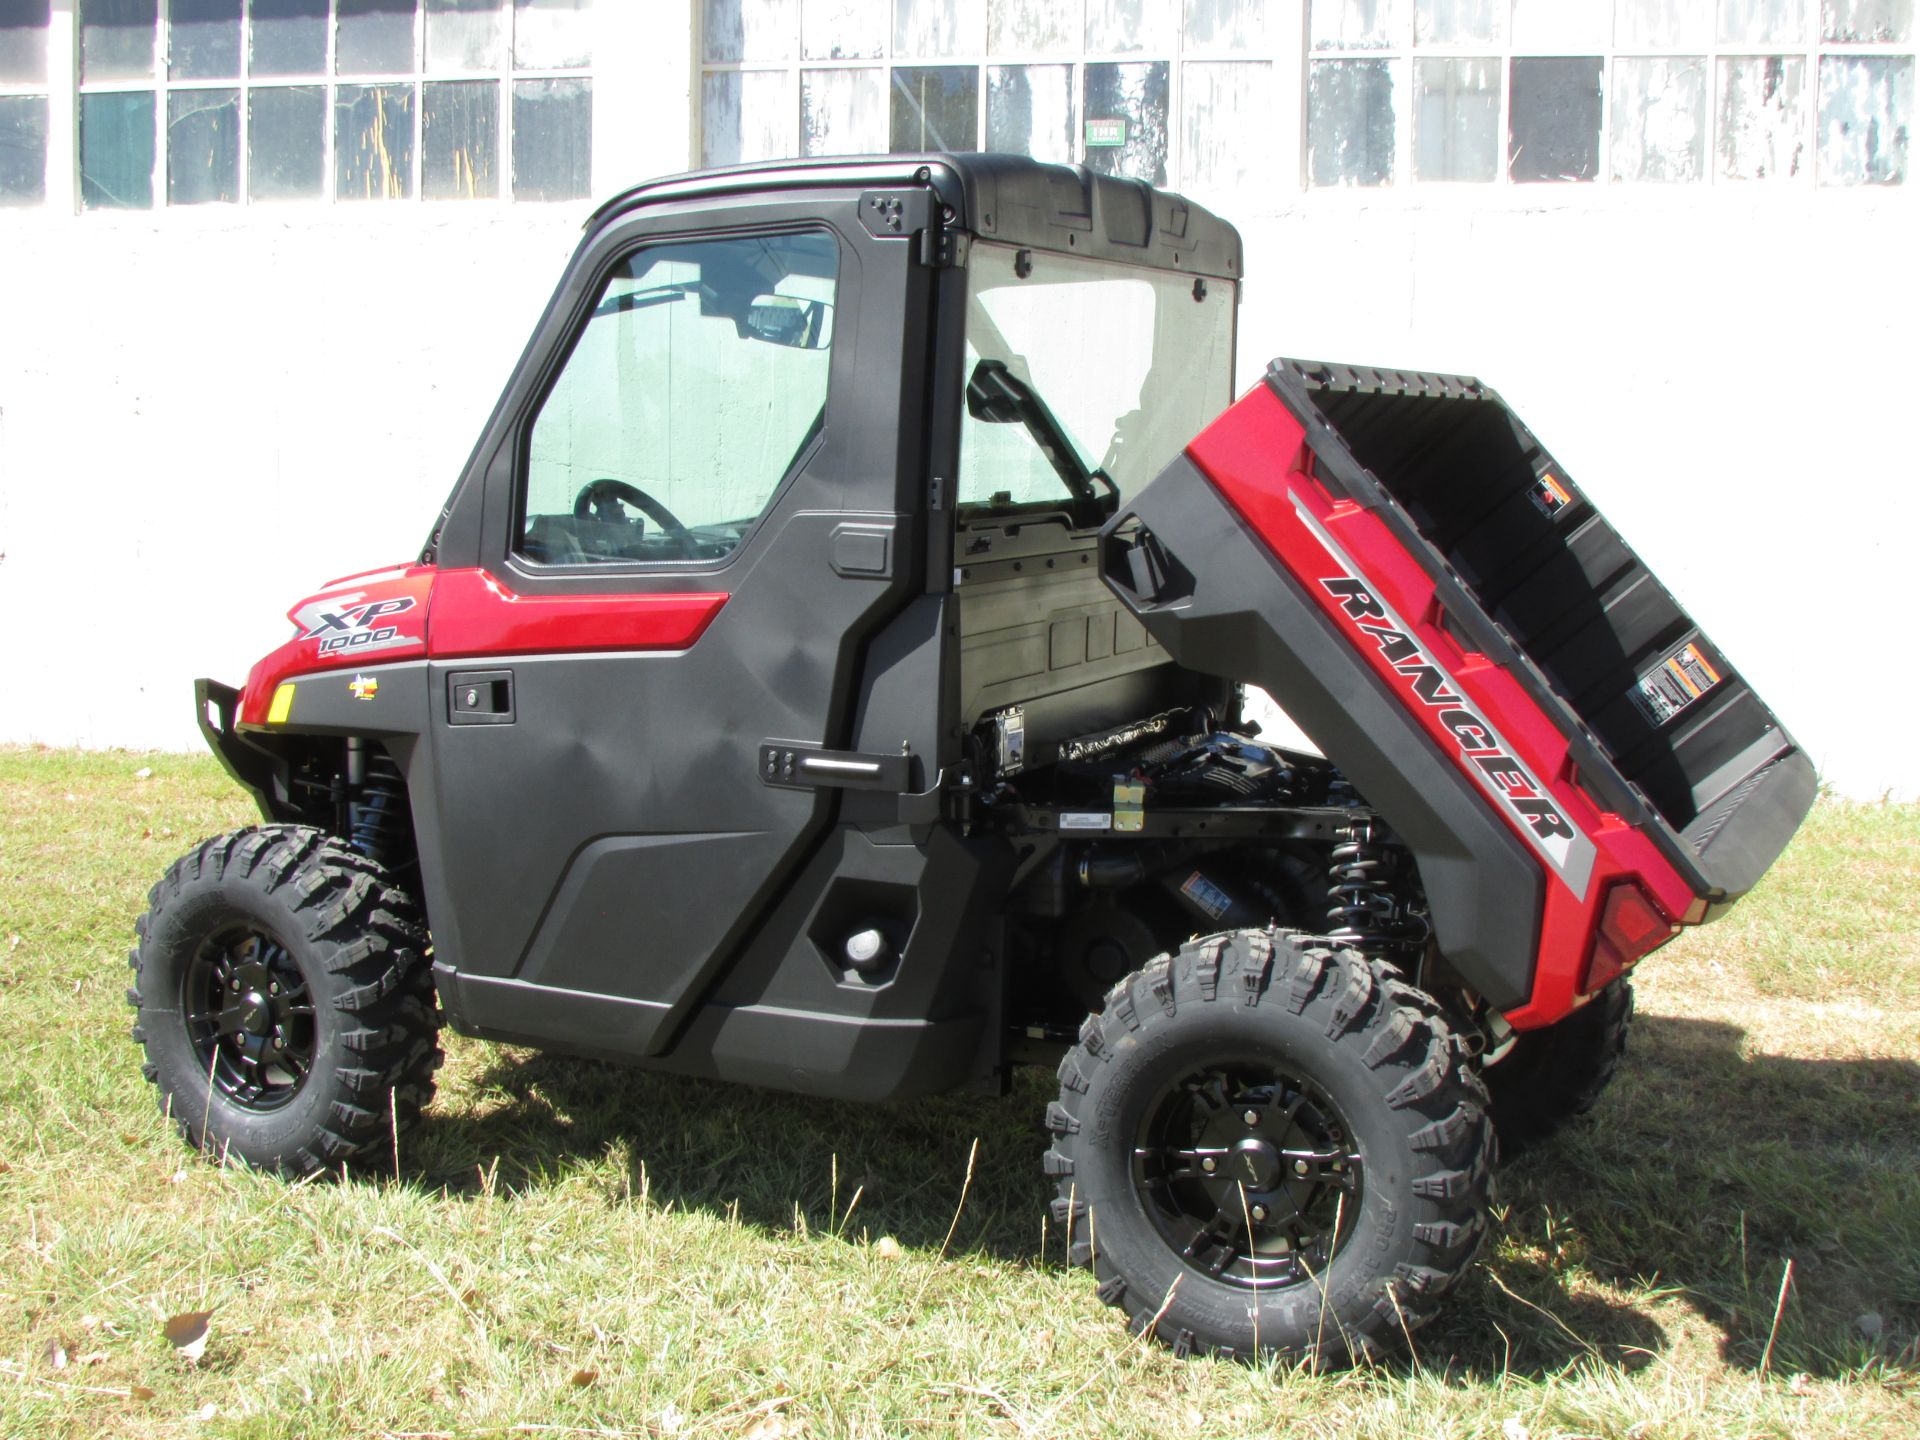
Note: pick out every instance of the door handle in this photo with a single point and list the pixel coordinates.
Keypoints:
(480, 697)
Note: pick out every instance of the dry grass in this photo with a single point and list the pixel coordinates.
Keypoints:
(579, 1249)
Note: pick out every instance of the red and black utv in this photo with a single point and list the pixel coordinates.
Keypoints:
(829, 673)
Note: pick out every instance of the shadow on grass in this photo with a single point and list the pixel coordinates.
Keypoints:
(1701, 1174)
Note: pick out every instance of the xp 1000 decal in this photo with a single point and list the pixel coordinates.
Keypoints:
(1484, 755)
(355, 624)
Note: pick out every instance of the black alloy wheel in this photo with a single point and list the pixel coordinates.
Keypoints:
(285, 1002)
(1249, 1173)
(249, 1015)
(1266, 1143)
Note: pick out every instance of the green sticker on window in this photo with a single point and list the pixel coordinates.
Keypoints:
(1107, 132)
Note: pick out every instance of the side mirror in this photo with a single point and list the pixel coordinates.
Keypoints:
(995, 395)
(790, 321)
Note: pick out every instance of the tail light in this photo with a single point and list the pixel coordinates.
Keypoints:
(1631, 926)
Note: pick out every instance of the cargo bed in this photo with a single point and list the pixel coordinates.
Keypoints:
(1460, 628)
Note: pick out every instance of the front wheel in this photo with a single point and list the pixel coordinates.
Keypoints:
(1268, 1144)
(284, 1001)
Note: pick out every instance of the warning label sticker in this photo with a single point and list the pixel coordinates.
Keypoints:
(1207, 895)
(1674, 684)
(1551, 494)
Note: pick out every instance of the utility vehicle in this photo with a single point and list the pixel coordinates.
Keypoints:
(830, 671)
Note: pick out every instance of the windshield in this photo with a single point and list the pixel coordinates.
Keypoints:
(1129, 362)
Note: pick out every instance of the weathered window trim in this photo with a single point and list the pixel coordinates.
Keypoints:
(64, 145)
(1811, 51)
(1280, 50)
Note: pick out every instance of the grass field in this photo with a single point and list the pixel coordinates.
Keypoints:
(575, 1249)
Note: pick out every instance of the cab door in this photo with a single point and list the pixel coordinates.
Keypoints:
(694, 519)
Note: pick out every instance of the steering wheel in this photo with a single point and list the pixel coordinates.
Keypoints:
(596, 498)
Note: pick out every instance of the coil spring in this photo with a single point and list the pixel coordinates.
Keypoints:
(378, 817)
(1361, 907)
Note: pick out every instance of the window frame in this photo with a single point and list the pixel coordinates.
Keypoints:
(57, 113)
(162, 86)
(546, 576)
(1177, 54)
(1404, 53)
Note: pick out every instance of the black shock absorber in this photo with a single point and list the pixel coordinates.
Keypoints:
(377, 816)
(1362, 908)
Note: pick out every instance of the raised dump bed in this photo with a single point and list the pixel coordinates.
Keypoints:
(1665, 729)
(1576, 767)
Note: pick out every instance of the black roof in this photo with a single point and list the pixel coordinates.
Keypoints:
(1009, 198)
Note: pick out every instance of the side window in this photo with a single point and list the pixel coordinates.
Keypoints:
(695, 386)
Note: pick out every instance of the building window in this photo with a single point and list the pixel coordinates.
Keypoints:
(227, 101)
(23, 101)
(1140, 88)
(1636, 91)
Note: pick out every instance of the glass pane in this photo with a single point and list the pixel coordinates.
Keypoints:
(460, 140)
(1030, 111)
(373, 142)
(557, 34)
(843, 112)
(1763, 22)
(1866, 22)
(930, 28)
(745, 115)
(1763, 117)
(1866, 112)
(748, 29)
(289, 37)
(203, 147)
(23, 149)
(935, 107)
(1125, 27)
(203, 39)
(843, 29)
(373, 37)
(1456, 120)
(1226, 26)
(1555, 127)
(463, 35)
(552, 139)
(1458, 22)
(1350, 122)
(744, 328)
(116, 40)
(1224, 102)
(1042, 315)
(1033, 27)
(116, 151)
(1357, 24)
(286, 142)
(1660, 118)
(23, 42)
(1562, 27)
(1125, 111)
(1662, 24)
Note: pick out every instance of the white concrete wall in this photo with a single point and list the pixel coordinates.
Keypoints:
(1731, 377)
(204, 415)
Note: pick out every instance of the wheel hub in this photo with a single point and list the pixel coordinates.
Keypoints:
(1248, 1173)
(250, 1017)
(1256, 1164)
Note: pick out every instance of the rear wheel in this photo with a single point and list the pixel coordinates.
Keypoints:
(1266, 1144)
(284, 1001)
(1552, 1075)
